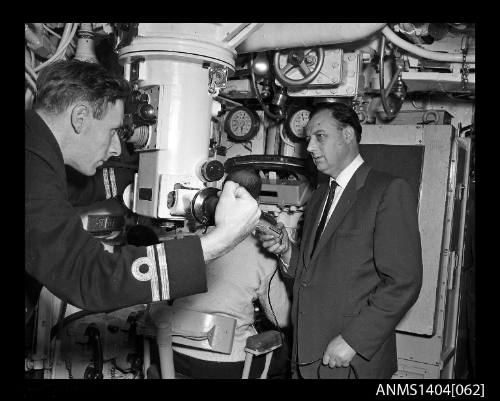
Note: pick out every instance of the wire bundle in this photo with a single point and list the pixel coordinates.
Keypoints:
(32, 70)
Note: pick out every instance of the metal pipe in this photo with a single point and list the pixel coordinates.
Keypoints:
(164, 340)
(383, 94)
(427, 54)
(242, 35)
(28, 98)
(273, 36)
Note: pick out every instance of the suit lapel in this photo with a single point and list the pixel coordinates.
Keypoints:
(345, 202)
(311, 223)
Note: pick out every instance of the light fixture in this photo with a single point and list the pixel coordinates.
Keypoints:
(85, 48)
(261, 65)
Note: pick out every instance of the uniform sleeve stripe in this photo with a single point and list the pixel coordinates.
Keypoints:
(113, 181)
(162, 261)
(155, 293)
(106, 182)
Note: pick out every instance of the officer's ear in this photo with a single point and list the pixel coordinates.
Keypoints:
(79, 115)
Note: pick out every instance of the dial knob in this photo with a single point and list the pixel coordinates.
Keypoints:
(212, 170)
(146, 111)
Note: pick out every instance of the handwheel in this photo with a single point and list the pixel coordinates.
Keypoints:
(301, 60)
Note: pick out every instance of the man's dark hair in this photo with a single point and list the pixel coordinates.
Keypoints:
(247, 178)
(342, 113)
(63, 83)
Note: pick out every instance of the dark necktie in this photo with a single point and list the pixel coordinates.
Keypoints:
(329, 200)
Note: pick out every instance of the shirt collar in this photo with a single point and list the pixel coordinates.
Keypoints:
(345, 175)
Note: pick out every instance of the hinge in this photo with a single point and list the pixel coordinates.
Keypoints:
(419, 135)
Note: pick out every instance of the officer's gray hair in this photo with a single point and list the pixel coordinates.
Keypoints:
(63, 83)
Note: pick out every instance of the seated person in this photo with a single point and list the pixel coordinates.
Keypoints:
(235, 280)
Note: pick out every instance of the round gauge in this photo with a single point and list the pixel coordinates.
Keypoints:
(296, 123)
(242, 124)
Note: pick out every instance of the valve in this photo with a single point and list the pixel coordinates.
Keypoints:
(302, 60)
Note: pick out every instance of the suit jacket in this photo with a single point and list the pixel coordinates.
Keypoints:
(364, 275)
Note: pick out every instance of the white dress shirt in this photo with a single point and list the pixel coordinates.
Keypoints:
(342, 180)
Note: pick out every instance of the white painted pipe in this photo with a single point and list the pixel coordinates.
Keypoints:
(427, 54)
(164, 341)
(272, 36)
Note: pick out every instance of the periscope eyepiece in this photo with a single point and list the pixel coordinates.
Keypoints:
(203, 207)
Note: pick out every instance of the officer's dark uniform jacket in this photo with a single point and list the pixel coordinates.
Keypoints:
(72, 264)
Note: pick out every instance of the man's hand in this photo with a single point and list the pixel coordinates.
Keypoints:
(236, 216)
(338, 353)
(273, 244)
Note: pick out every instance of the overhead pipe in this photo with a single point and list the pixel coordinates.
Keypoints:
(274, 36)
(236, 39)
(427, 54)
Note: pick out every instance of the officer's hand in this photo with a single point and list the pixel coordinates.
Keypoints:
(237, 211)
(236, 216)
(273, 244)
(338, 353)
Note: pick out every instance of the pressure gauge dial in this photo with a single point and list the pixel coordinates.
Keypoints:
(242, 124)
(296, 122)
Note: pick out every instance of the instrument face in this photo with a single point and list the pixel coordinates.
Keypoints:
(296, 122)
(242, 124)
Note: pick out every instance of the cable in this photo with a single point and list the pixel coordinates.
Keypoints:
(30, 75)
(28, 98)
(30, 81)
(51, 31)
(309, 363)
(62, 46)
(32, 58)
(427, 54)
(67, 30)
(30, 71)
(71, 318)
(351, 368)
(259, 99)
(269, 299)
(389, 112)
(283, 137)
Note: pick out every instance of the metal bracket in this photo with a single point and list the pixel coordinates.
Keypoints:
(217, 78)
(419, 135)
(134, 68)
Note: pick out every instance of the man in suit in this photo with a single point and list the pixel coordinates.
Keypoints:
(358, 269)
